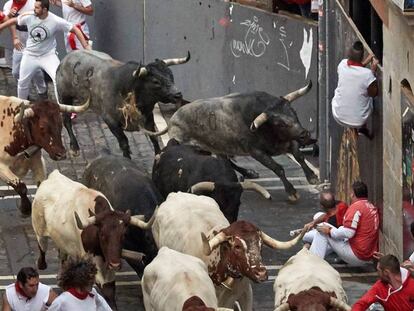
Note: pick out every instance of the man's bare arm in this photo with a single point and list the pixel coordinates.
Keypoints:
(80, 37)
(8, 23)
(6, 306)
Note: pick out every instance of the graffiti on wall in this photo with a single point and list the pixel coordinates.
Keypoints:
(254, 42)
(408, 175)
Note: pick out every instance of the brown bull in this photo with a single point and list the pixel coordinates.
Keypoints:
(25, 128)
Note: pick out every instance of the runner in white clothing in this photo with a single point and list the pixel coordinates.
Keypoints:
(352, 102)
(76, 278)
(14, 8)
(75, 12)
(40, 49)
(27, 293)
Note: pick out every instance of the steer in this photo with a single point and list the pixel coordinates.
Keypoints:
(178, 282)
(182, 167)
(307, 282)
(124, 94)
(80, 220)
(25, 128)
(194, 225)
(127, 188)
(240, 124)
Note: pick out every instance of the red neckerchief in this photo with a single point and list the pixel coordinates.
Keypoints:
(18, 5)
(81, 296)
(2, 16)
(354, 63)
(20, 291)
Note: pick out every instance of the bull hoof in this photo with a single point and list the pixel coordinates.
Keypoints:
(25, 207)
(251, 174)
(74, 153)
(41, 264)
(313, 180)
(293, 198)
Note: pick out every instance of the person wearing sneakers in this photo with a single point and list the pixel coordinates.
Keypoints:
(19, 34)
(357, 85)
(27, 293)
(394, 290)
(40, 51)
(76, 277)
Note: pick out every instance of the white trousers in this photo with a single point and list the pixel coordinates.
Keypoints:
(322, 245)
(29, 65)
(38, 77)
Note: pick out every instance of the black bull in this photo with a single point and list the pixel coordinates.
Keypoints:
(124, 94)
(255, 124)
(127, 188)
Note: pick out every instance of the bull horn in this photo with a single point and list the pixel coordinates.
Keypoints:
(150, 133)
(248, 185)
(275, 244)
(224, 309)
(283, 307)
(202, 186)
(82, 225)
(77, 109)
(177, 61)
(128, 254)
(298, 93)
(336, 303)
(260, 119)
(141, 73)
(138, 222)
(24, 112)
(208, 246)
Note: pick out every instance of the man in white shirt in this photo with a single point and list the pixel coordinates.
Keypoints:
(40, 51)
(352, 102)
(75, 12)
(27, 293)
(76, 278)
(14, 8)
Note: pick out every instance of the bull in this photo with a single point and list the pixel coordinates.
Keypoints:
(124, 94)
(307, 282)
(26, 127)
(240, 124)
(127, 188)
(183, 167)
(80, 220)
(232, 253)
(178, 282)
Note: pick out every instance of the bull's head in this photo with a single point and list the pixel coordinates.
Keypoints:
(313, 300)
(283, 122)
(240, 249)
(43, 125)
(157, 80)
(107, 232)
(228, 194)
(195, 303)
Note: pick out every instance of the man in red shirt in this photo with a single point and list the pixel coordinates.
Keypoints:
(394, 291)
(357, 240)
(333, 212)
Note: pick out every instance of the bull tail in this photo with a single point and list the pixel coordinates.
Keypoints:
(155, 134)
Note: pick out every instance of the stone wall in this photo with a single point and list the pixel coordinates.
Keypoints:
(398, 64)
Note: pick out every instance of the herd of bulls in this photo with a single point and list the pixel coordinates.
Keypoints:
(178, 230)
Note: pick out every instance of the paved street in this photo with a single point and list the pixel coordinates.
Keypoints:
(276, 217)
